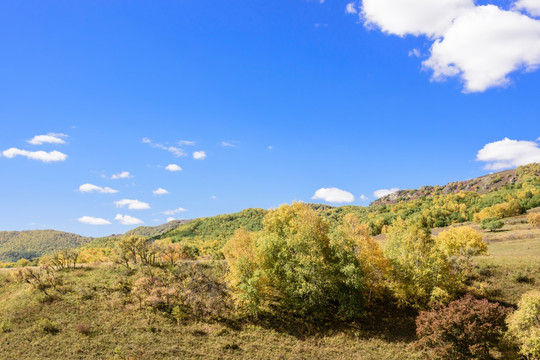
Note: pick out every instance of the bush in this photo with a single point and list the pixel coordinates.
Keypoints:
(524, 325)
(465, 329)
(534, 220)
(48, 327)
(491, 224)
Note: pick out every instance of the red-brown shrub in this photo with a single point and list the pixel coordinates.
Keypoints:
(465, 329)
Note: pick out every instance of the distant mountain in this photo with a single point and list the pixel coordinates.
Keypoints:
(31, 244)
(481, 185)
(153, 231)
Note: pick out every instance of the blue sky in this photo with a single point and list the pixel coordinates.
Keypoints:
(311, 95)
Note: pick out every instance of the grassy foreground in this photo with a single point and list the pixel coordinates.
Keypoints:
(91, 318)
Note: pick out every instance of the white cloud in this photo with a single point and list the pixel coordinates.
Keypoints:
(383, 192)
(52, 156)
(90, 220)
(173, 167)
(333, 195)
(228, 144)
(127, 220)
(481, 45)
(413, 17)
(530, 6)
(270, 147)
(172, 149)
(50, 138)
(187, 143)
(199, 155)
(160, 191)
(169, 219)
(121, 175)
(88, 188)
(484, 45)
(363, 197)
(351, 8)
(508, 153)
(175, 211)
(415, 53)
(132, 204)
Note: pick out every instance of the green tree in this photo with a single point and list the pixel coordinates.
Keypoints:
(491, 224)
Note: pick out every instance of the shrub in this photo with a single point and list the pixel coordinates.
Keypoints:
(534, 219)
(491, 224)
(84, 329)
(524, 325)
(48, 327)
(5, 326)
(465, 329)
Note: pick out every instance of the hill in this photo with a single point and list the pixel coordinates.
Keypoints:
(481, 185)
(153, 231)
(31, 244)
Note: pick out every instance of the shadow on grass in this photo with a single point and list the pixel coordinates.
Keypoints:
(383, 321)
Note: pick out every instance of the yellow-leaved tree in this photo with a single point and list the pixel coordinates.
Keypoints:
(460, 245)
(354, 236)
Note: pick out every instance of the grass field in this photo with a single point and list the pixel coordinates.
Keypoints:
(91, 318)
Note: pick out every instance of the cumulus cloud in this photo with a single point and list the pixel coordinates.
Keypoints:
(132, 204)
(160, 191)
(177, 152)
(121, 175)
(481, 45)
(350, 8)
(127, 220)
(363, 197)
(175, 211)
(199, 155)
(333, 195)
(530, 6)
(507, 153)
(47, 157)
(173, 167)
(50, 138)
(413, 17)
(90, 220)
(383, 192)
(89, 188)
(484, 45)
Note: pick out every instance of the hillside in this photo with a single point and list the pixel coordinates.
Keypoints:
(481, 185)
(95, 315)
(153, 231)
(30, 244)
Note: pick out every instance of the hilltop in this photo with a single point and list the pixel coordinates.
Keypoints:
(480, 185)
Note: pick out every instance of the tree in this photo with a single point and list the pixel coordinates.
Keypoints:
(524, 325)
(491, 224)
(465, 329)
(353, 236)
(420, 272)
(460, 245)
(292, 264)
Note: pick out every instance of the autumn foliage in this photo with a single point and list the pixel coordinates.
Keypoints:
(465, 329)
